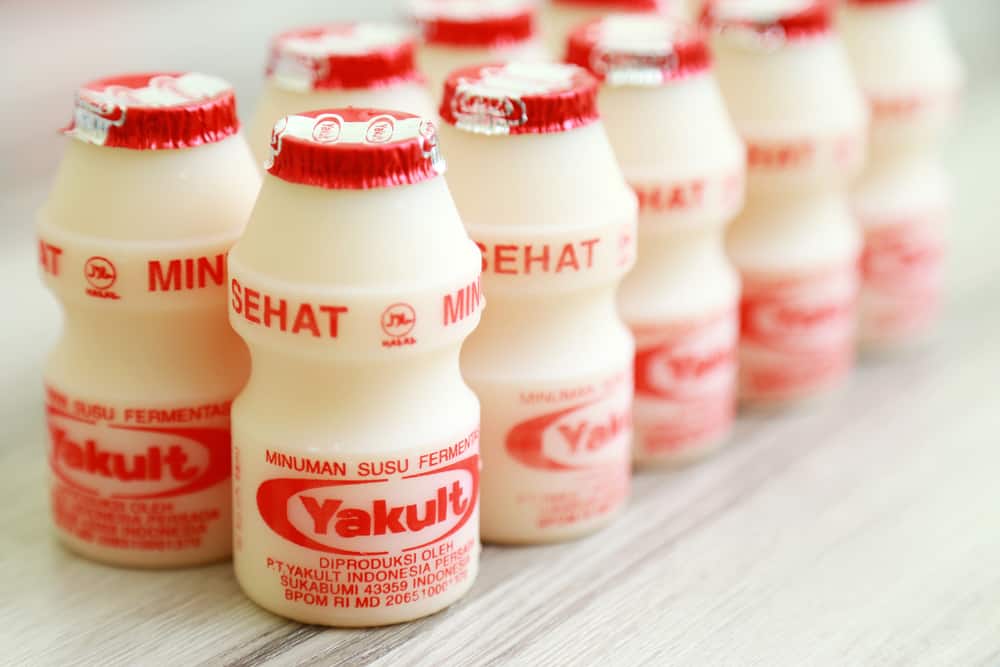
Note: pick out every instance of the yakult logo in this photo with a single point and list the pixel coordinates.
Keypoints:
(700, 364)
(805, 314)
(366, 517)
(380, 129)
(136, 463)
(582, 436)
(901, 257)
(327, 129)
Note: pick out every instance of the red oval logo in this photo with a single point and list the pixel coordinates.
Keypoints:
(136, 463)
(697, 365)
(901, 258)
(800, 314)
(371, 517)
(585, 435)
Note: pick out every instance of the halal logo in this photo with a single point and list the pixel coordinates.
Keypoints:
(398, 320)
(100, 273)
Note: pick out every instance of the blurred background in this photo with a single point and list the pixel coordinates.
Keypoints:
(49, 47)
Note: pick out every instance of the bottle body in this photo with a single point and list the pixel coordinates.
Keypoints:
(798, 264)
(551, 361)
(903, 203)
(795, 243)
(139, 386)
(680, 300)
(903, 199)
(356, 439)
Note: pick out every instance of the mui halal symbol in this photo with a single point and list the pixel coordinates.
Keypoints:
(398, 320)
(100, 273)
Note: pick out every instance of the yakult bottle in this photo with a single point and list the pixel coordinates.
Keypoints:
(153, 190)
(680, 153)
(539, 191)
(561, 17)
(356, 441)
(788, 86)
(911, 75)
(338, 65)
(459, 33)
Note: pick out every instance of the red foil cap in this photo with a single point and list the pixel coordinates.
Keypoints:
(619, 5)
(519, 98)
(773, 20)
(475, 23)
(354, 149)
(626, 49)
(159, 111)
(342, 55)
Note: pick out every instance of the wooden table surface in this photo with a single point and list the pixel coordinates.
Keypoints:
(863, 530)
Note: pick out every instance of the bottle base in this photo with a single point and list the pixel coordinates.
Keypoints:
(541, 537)
(800, 400)
(140, 560)
(877, 348)
(348, 618)
(684, 456)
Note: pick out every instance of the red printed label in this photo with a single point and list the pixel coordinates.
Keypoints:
(572, 438)
(319, 320)
(692, 195)
(906, 107)
(531, 258)
(805, 153)
(685, 383)
(132, 271)
(136, 477)
(570, 452)
(363, 532)
(557, 255)
(364, 517)
(797, 333)
(902, 272)
(186, 273)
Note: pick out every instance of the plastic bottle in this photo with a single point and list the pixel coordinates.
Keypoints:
(680, 153)
(911, 75)
(789, 90)
(561, 17)
(552, 360)
(459, 33)
(338, 65)
(154, 187)
(355, 442)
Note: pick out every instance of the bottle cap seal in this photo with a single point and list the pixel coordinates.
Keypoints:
(354, 149)
(475, 23)
(658, 6)
(880, 2)
(519, 98)
(626, 49)
(158, 111)
(342, 55)
(768, 22)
